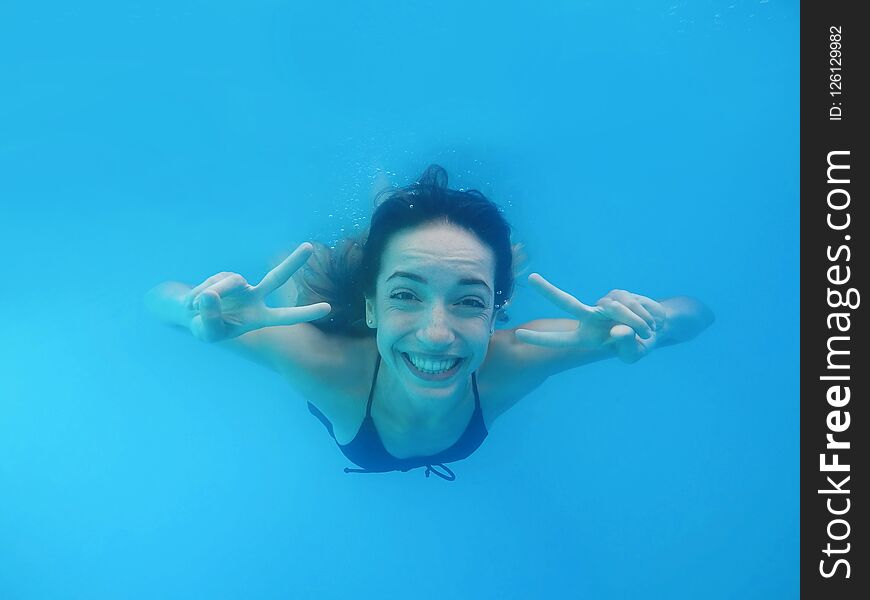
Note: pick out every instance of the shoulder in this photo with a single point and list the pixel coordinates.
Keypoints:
(333, 364)
(336, 380)
(505, 377)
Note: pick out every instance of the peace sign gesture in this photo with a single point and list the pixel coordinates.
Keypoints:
(225, 306)
(626, 322)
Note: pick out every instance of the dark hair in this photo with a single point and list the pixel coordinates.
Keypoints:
(344, 274)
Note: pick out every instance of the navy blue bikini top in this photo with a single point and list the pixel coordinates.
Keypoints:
(367, 450)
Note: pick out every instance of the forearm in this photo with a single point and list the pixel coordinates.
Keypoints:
(550, 360)
(293, 350)
(686, 318)
(166, 302)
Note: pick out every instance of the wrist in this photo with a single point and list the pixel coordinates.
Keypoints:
(166, 301)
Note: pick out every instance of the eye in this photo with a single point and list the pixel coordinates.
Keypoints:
(402, 295)
(473, 302)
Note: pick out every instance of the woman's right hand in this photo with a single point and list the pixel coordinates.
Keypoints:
(225, 306)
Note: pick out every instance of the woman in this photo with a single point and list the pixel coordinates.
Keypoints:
(394, 342)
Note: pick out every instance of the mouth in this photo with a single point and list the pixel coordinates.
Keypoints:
(432, 369)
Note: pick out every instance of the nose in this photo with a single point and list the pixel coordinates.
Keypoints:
(435, 332)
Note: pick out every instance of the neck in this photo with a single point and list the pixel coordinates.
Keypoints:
(407, 412)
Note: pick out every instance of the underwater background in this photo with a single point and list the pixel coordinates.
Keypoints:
(645, 145)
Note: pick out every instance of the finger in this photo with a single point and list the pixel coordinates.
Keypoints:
(625, 344)
(637, 308)
(656, 309)
(226, 285)
(297, 314)
(621, 314)
(550, 339)
(192, 294)
(209, 324)
(560, 298)
(280, 274)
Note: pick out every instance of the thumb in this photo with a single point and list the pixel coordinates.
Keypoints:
(209, 326)
(624, 342)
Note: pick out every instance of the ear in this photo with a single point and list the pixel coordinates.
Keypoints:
(371, 319)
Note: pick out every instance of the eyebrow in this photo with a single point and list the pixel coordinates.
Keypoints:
(420, 279)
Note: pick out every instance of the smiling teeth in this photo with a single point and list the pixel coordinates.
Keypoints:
(433, 367)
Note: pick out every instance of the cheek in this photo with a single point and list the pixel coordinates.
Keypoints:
(393, 326)
(478, 335)
(395, 320)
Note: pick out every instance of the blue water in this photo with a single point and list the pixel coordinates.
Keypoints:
(647, 145)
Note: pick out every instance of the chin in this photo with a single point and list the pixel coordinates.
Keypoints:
(440, 375)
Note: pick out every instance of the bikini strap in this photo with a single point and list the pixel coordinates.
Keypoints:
(446, 474)
(440, 469)
(476, 395)
(372, 390)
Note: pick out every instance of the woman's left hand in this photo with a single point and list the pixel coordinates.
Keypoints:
(627, 323)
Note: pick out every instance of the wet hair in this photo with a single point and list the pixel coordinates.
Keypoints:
(345, 274)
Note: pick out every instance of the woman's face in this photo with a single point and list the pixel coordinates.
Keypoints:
(433, 308)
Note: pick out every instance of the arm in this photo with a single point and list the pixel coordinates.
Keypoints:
(521, 359)
(166, 302)
(684, 319)
(228, 312)
(279, 348)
